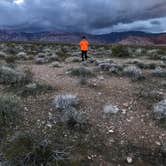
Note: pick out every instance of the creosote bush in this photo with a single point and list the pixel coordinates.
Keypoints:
(119, 51)
(10, 110)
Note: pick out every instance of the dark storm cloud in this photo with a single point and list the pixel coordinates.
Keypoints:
(96, 16)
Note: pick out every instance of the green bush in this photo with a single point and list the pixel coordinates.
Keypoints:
(119, 51)
(10, 108)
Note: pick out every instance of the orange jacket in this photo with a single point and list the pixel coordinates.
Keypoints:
(84, 45)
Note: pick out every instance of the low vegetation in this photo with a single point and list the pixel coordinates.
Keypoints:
(120, 51)
(26, 149)
(14, 76)
(57, 110)
(81, 72)
(10, 110)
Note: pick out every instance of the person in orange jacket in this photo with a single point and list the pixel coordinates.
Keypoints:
(84, 48)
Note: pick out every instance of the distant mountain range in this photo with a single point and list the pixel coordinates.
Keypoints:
(126, 38)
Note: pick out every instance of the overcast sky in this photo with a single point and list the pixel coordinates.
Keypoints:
(91, 16)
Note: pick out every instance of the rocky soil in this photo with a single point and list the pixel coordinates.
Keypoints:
(109, 110)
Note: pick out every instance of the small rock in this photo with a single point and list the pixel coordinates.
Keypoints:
(129, 160)
(158, 143)
(49, 125)
(124, 111)
(110, 109)
(110, 131)
(100, 77)
(163, 58)
(26, 109)
(31, 86)
(105, 66)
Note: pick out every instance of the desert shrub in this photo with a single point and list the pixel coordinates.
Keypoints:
(81, 72)
(153, 54)
(150, 66)
(67, 104)
(2, 55)
(159, 72)
(62, 55)
(159, 112)
(72, 117)
(10, 59)
(163, 58)
(12, 76)
(143, 65)
(12, 50)
(139, 52)
(119, 51)
(41, 60)
(27, 149)
(33, 89)
(10, 108)
(150, 94)
(41, 55)
(64, 101)
(73, 59)
(161, 51)
(134, 72)
(29, 74)
(24, 56)
(56, 64)
(83, 80)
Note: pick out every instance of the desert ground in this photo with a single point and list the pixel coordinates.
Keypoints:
(57, 110)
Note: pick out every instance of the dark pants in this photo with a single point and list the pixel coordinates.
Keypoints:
(84, 55)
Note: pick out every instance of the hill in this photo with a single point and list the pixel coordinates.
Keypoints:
(131, 37)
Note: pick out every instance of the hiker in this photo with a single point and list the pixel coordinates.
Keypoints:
(84, 48)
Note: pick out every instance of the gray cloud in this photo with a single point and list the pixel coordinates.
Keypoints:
(94, 16)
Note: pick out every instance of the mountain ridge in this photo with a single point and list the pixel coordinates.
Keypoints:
(129, 37)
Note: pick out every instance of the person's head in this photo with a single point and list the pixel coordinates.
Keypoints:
(83, 37)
